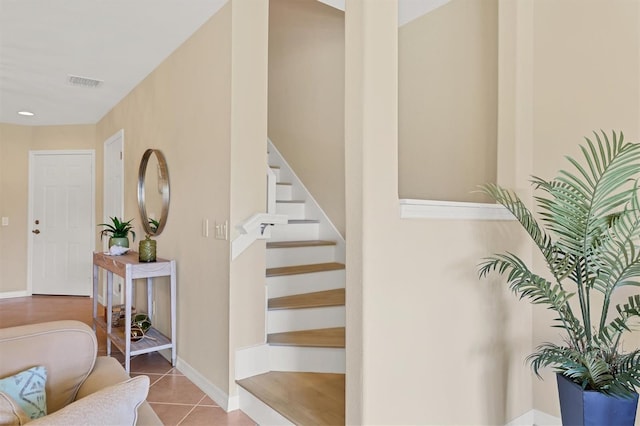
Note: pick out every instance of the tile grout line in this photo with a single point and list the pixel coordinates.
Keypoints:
(193, 407)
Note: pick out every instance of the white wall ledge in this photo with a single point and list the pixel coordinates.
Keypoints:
(453, 210)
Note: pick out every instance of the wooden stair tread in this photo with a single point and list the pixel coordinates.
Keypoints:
(320, 338)
(299, 221)
(301, 243)
(302, 398)
(304, 269)
(318, 299)
(290, 201)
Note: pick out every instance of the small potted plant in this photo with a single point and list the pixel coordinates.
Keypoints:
(587, 229)
(118, 232)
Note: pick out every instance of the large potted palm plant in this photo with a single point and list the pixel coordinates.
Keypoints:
(586, 225)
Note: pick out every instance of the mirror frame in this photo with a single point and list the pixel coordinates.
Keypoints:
(164, 185)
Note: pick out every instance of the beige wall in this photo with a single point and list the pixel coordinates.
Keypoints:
(183, 108)
(15, 144)
(306, 97)
(586, 77)
(448, 101)
(247, 300)
(205, 107)
(423, 335)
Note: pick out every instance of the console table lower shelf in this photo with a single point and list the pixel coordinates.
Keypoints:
(152, 341)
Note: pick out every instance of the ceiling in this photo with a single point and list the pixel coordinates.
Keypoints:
(119, 42)
(408, 10)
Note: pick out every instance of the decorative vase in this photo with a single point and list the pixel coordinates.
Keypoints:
(147, 250)
(587, 407)
(119, 241)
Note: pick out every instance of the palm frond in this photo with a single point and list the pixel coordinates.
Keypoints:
(626, 312)
(520, 211)
(537, 289)
(627, 371)
(560, 264)
(579, 208)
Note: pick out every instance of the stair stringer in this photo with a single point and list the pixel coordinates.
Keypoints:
(327, 230)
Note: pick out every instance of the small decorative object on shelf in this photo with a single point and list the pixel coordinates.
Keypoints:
(140, 324)
(118, 315)
(147, 250)
(118, 231)
(142, 320)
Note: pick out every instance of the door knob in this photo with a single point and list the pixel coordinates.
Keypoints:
(36, 231)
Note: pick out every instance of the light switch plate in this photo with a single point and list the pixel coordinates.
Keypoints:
(221, 230)
(5, 221)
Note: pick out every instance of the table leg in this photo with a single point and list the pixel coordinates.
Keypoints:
(150, 299)
(128, 295)
(95, 295)
(174, 353)
(109, 309)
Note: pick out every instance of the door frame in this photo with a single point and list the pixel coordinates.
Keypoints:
(117, 295)
(32, 155)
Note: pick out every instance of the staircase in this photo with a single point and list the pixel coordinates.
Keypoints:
(298, 376)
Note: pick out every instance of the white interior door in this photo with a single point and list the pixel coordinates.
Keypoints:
(62, 228)
(113, 196)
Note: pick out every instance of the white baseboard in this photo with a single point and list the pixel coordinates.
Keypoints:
(13, 294)
(535, 418)
(543, 419)
(215, 393)
(252, 361)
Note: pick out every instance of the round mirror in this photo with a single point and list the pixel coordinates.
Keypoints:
(153, 191)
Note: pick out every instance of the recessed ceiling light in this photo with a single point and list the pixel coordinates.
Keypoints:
(26, 113)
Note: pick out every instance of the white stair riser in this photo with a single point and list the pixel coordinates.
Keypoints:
(287, 285)
(305, 319)
(295, 232)
(276, 171)
(284, 192)
(260, 412)
(277, 257)
(292, 210)
(304, 359)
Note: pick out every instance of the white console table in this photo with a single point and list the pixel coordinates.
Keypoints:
(128, 267)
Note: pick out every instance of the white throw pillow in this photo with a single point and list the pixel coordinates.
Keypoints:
(113, 405)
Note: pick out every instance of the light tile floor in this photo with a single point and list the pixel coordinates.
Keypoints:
(176, 400)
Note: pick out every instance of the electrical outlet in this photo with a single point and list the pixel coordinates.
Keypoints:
(222, 231)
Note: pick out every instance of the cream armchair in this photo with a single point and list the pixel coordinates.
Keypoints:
(81, 388)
